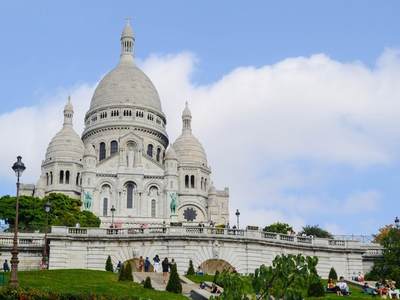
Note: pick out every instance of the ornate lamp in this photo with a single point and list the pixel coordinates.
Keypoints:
(237, 216)
(18, 167)
(47, 208)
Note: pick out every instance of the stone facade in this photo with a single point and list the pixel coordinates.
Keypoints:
(124, 163)
(243, 250)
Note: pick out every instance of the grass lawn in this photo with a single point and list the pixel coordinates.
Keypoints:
(356, 292)
(88, 282)
(200, 278)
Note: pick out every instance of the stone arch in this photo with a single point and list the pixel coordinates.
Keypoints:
(151, 184)
(210, 266)
(181, 208)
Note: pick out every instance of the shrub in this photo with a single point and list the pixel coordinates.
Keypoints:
(128, 272)
(278, 227)
(316, 289)
(125, 273)
(316, 231)
(216, 276)
(174, 283)
(190, 271)
(147, 283)
(332, 274)
(109, 265)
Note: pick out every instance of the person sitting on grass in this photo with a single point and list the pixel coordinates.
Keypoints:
(331, 286)
(369, 290)
(343, 287)
(382, 289)
(393, 291)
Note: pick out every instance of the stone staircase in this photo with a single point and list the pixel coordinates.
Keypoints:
(157, 282)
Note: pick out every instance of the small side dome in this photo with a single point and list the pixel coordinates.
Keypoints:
(65, 145)
(171, 154)
(189, 150)
(212, 190)
(187, 146)
(89, 151)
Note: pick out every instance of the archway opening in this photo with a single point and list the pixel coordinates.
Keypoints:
(210, 266)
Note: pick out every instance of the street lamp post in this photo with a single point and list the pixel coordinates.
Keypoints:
(45, 259)
(397, 222)
(112, 216)
(18, 168)
(237, 216)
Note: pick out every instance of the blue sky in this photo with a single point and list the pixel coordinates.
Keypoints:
(50, 49)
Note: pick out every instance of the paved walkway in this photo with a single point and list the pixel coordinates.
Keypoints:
(157, 282)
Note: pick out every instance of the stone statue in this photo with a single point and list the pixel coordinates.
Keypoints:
(87, 201)
(174, 202)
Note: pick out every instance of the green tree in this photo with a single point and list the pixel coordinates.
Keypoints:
(316, 231)
(109, 265)
(174, 283)
(190, 270)
(332, 274)
(128, 271)
(289, 277)
(65, 211)
(388, 267)
(235, 287)
(147, 283)
(121, 275)
(278, 227)
(216, 277)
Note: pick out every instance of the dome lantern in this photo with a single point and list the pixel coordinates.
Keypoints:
(186, 119)
(127, 42)
(68, 113)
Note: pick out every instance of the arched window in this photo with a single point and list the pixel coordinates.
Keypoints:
(61, 180)
(102, 151)
(113, 147)
(153, 208)
(105, 207)
(47, 178)
(187, 181)
(192, 181)
(158, 154)
(201, 183)
(77, 178)
(51, 178)
(67, 177)
(205, 184)
(130, 188)
(150, 150)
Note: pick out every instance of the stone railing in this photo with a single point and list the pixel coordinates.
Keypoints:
(31, 240)
(197, 231)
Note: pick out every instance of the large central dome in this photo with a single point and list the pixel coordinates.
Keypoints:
(126, 85)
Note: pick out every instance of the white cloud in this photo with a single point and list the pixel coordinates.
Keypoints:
(254, 123)
(361, 202)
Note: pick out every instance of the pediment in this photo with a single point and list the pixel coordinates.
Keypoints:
(131, 138)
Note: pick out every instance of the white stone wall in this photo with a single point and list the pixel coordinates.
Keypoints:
(82, 249)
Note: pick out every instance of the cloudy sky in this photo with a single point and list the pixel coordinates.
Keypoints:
(297, 104)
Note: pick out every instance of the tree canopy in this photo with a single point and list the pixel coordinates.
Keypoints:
(65, 211)
(388, 267)
(289, 277)
(279, 227)
(316, 231)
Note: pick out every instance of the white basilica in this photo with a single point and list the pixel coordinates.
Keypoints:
(122, 162)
